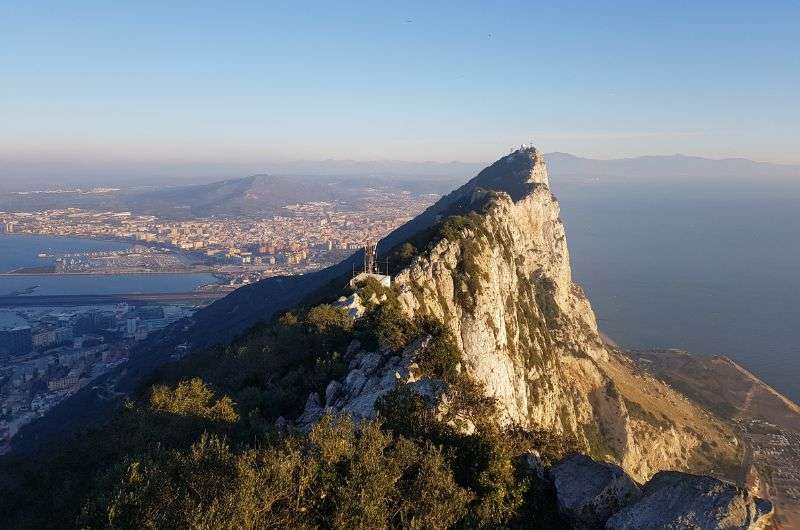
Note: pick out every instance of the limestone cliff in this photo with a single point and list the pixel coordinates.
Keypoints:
(498, 275)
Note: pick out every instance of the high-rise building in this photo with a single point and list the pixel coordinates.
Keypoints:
(130, 327)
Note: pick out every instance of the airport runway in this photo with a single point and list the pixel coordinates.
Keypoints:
(107, 299)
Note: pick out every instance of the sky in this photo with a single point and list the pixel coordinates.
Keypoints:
(142, 86)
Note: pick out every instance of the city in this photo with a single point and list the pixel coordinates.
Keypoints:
(307, 237)
(48, 353)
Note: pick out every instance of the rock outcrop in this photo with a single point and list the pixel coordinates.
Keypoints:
(498, 276)
(590, 492)
(496, 273)
(674, 501)
(594, 495)
(371, 375)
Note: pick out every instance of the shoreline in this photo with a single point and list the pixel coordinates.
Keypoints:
(14, 274)
(42, 270)
(108, 239)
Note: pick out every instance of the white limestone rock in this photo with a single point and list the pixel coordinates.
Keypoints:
(332, 393)
(503, 286)
(352, 304)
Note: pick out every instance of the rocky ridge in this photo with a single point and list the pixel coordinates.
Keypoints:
(499, 277)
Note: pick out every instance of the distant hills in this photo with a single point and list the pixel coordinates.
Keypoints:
(254, 196)
(662, 167)
(265, 195)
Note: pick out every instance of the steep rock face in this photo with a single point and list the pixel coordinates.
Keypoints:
(505, 290)
(502, 283)
(499, 277)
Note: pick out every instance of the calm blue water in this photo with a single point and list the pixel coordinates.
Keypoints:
(18, 251)
(710, 269)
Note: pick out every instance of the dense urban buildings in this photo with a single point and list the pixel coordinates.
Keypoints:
(306, 237)
(49, 353)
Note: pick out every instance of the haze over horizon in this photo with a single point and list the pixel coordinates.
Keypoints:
(50, 176)
(155, 88)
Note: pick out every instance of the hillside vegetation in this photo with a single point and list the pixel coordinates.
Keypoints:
(207, 447)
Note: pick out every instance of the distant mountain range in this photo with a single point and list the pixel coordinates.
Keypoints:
(564, 165)
(560, 165)
(266, 195)
(254, 196)
(16, 177)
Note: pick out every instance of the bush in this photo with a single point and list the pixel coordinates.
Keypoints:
(193, 398)
(386, 326)
(403, 256)
(340, 476)
(441, 357)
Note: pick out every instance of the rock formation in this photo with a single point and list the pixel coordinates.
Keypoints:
(673, 500)
(499, 277)
(594, 495)
(590, 492)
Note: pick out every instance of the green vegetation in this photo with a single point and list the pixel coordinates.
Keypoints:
(190, 457)
(535, 343)
(339, 476)
(403, 256)
(471, 269)
(487, 462)
(192, 398)
(440, 359)
(202, 447)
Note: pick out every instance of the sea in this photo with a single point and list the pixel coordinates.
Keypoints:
(711, 268)
(21, 251)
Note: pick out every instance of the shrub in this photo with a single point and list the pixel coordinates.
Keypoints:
(340, 476)
(193, 398)
(386, 326)
(441, 357)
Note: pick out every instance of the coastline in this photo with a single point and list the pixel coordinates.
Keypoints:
(17, 274)
(47, 270)
(23, 266)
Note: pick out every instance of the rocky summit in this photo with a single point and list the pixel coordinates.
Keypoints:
(471, 389)
(500, 279)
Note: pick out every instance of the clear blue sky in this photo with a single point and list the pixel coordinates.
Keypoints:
(224, 82)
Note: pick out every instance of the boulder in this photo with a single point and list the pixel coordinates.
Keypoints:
(589, 492)
(332, 392)
(312, 412)
(674, 500)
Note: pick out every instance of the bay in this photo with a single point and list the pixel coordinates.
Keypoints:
(22, 250)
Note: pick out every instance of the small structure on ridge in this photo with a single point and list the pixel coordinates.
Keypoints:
(371, 269)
